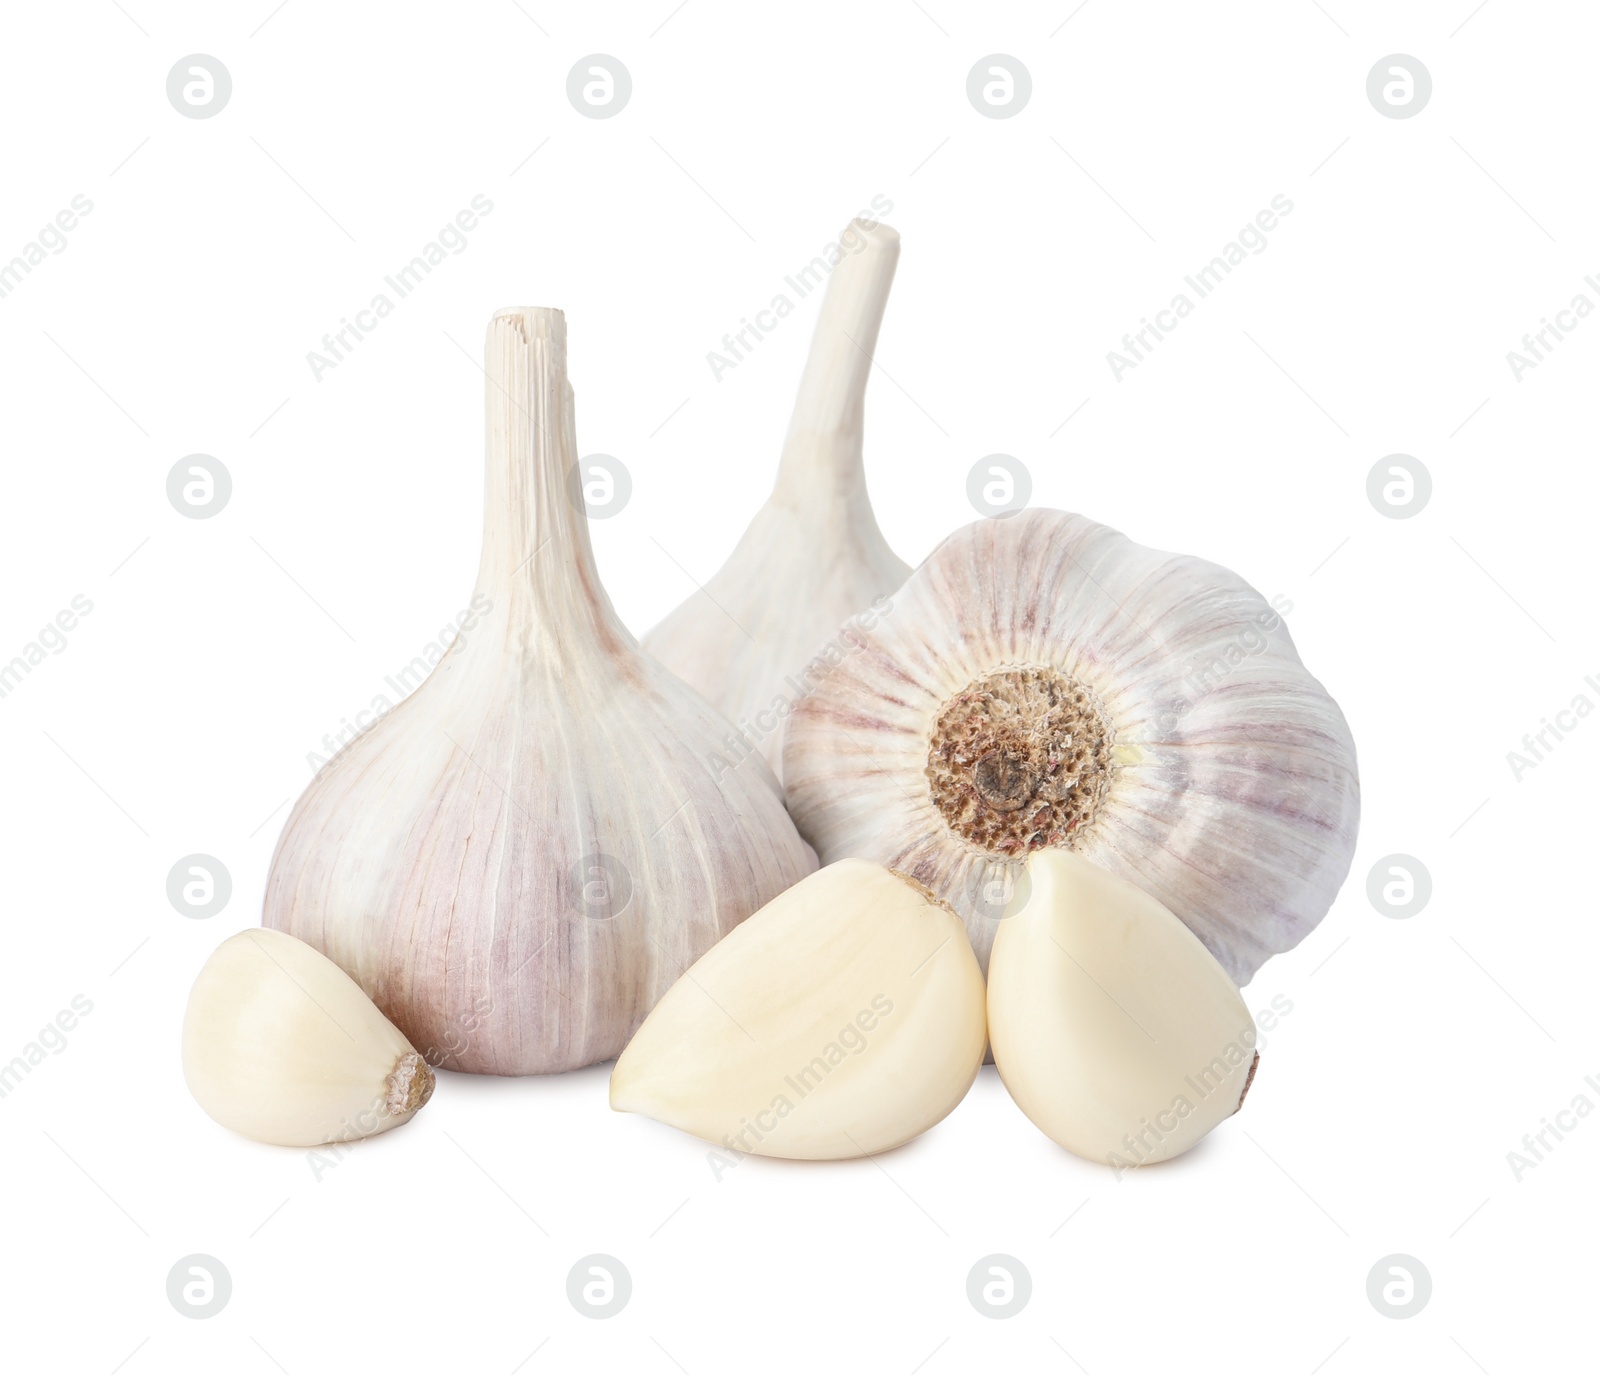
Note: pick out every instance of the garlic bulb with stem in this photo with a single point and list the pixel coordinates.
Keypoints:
(1044, 681)
(519, 859)
(281, 1046)
(813, 555)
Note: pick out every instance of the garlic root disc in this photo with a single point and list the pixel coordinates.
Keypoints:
(280, 1045)
(813, 555)
(843, 1019)
(521, 857)
(1112, 1027)
(1042, 682)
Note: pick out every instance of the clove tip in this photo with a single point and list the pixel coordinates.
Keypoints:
(410, 1084)
(1249, 1079)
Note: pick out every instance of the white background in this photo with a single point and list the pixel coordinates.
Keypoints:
(219, 652)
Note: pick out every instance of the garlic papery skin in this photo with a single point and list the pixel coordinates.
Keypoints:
(843, 1019)
(1112, 1027)
(520, 858)
(1043, 681)
(813, 555)
(281, 1046)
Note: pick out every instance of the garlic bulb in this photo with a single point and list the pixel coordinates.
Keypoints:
(1044, 681)
(843, 1019)
(813, 555)
(281, 1046)
(519, 859)
(1112, 1026)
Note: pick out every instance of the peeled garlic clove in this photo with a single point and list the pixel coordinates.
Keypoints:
(813, 555)
(843, 1019)
(1043, 682)
(281, 1046)
(1112, 1027)
(520, 858)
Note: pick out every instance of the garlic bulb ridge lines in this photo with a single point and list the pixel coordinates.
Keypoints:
(1043, 681)
(520, 858)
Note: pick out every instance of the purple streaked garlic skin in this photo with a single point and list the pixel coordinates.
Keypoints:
(523, 856)
(1041, 680)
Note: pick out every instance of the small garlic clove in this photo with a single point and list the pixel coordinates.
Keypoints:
(281, 1045)
(842, 1019)
(752, 640)
(1113, 1028)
